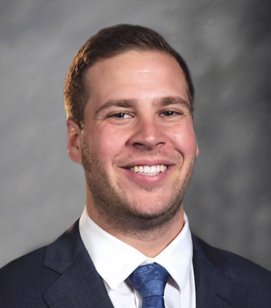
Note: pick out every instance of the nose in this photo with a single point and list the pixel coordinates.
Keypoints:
(147, 135)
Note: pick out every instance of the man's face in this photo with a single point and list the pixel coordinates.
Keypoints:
(137, 145)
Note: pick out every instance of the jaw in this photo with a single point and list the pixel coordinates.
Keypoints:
(127, 201)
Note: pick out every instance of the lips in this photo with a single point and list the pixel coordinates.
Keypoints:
(148, 173)
(152, 170)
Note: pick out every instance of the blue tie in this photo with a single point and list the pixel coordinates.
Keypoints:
(150, 281)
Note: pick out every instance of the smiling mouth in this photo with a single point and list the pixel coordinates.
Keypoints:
(149, 170)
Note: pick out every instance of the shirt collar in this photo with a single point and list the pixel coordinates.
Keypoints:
(115, 260)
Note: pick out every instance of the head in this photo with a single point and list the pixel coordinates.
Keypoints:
(107, 43)
(129, 98)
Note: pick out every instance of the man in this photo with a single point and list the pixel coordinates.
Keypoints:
(129, 104)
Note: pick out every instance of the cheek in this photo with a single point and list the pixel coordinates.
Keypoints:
(185, 140)
(105, 145)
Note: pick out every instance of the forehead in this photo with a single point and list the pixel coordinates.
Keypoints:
(133, 61)
(136, 73)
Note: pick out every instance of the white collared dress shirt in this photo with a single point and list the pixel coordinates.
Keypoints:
(115, 261)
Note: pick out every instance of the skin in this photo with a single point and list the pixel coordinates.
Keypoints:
(137, 114)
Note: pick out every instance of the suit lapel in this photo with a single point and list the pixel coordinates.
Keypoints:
(214, 288)
(79, 284)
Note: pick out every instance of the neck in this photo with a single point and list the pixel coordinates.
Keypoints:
(149, 242)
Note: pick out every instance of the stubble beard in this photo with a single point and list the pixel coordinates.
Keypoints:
(118, 212)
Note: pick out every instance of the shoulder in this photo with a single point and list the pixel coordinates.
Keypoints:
(25, 279)
(237, 268)
(26, 267)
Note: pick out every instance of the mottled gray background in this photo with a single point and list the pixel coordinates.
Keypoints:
(227, 46)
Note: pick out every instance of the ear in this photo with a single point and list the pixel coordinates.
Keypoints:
(197, 150)
(74, 141)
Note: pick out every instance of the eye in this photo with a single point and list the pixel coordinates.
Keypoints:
(170, 113)
(120, 115)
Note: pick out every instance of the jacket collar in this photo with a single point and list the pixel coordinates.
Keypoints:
(79, 284)
(214, 287)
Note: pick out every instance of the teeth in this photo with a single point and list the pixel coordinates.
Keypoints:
(149, 170)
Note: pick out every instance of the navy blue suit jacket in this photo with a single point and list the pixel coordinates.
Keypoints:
(63, 275)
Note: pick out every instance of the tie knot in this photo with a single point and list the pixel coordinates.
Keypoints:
(150, 280)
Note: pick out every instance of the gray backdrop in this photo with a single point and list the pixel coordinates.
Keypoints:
(227, 46)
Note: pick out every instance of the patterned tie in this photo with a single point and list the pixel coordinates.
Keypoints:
(150, 281)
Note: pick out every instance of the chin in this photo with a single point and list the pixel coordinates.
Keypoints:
(153, 208)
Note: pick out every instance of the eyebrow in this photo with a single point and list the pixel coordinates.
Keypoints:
(129, 103)
(124, 103)
(174, 100)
